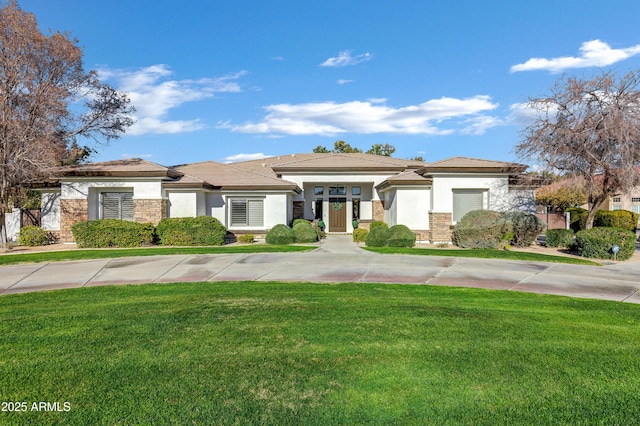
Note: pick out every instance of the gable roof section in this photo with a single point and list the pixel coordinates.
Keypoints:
(229, 177)
(133, 167)
(406, 178)
(472, 165)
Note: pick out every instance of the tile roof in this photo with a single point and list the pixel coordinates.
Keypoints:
(459, 164)
(118, 168)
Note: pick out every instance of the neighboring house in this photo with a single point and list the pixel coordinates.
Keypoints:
(627, 201)
(253, 196)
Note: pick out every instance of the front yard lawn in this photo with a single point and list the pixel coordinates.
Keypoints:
(83, 254)
(483, 254)
(300, 353)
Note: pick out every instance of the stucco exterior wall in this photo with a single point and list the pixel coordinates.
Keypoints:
(50, 211)
(413, 206)
(443, 186)
(182, 203)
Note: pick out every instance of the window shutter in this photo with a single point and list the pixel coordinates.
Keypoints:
(238, 212)
(464, 201)
(110, 205)
(126, 206)
(256, 212)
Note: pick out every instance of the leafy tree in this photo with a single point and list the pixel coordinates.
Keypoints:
(385, 150)
(417, 158)
(47, 104)
(562, 194)
(342, 146)
(589, 128)
(320, 149)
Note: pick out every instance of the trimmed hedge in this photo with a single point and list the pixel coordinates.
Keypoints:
(377, 224)
(246, 239)
(32, 236)
(297, 221)
(280, 234)
(112, 233)
(400, 236)
(191, 231)
(359, 235)
(524, 228)
(578, 218)
(480, 229)
(377, 237)
(304, 233)
(597, 243)
(624, 219)
(559, 238)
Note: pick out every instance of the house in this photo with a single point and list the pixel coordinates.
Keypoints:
(253, 196)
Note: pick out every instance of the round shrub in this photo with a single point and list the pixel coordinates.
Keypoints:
(624, 219)
(597, 243)
(32, 236)
(377, 237)
(280, 235)
(297, 221)
(577, 218)
(246, 239)
(191, 231)
(112, 233)
(377, 224)
(359, 235)
(319, 230)
(480, 229)
(524, 227)
(400, 236)
(304, 233)
(559, 238)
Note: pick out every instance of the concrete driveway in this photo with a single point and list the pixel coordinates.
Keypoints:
(337, 259)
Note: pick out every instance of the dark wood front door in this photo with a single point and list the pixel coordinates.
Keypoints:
(337, 215)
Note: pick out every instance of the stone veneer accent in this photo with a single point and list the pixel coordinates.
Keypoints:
(378, 210)
(153, 211)
(72, 211)
(440, 224)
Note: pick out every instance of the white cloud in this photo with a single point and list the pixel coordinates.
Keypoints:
(594, 53)
(244, 157)
(372, 116)
(343, 81)
(154, 94)
(523, 114)
(345, 59)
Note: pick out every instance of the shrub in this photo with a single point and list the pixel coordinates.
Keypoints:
(377, 224)
(523, 227)
(319, 230)
(559, 238)
(304, 233)
(112, 233)
(191, 231)
(280, 234)
(246, 238)
(400, 236)
(578, 218)
(33, 236)
(597, 243)
(624, 219)
(297, 221)
(377, 237)
(359, 235)
(480, 229)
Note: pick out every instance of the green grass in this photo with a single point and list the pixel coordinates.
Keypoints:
(295, 353)
(84, 254)
(483, 254)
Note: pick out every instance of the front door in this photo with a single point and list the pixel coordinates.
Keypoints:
(337, 215)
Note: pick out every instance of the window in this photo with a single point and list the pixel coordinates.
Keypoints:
(466, 200)
(318, 190)
(337, 190)
(616, 207)
(356, 208)
(247, 212)
(116, 205)
(635, 199)
(616, 199)
(635, 208)
(355, 190)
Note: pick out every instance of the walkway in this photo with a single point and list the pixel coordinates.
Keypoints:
(336, 260)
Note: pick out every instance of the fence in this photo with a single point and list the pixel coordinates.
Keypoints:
(553, 220)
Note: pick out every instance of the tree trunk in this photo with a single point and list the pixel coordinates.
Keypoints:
(593, 209)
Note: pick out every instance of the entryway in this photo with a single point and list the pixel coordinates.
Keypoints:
(337, 215)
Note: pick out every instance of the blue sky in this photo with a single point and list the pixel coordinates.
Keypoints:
(231, 80)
